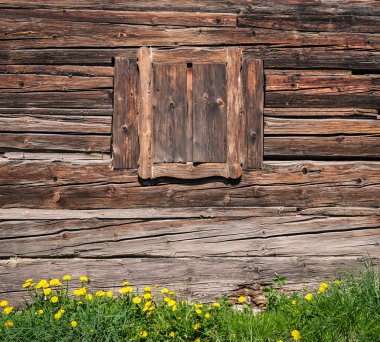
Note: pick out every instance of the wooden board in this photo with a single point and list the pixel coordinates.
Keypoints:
(209, 113)
(125, 142)
(170, 114)
(321, 112)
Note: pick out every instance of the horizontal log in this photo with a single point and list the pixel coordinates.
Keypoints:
(176, 237)
(56, 156)
(323, 84)
(91, 185)
(55, 142)
(29, 83)
(310, 22)
(59, 70)
(101, 99)
(286, 126)
(318, 146)
(341, 211)
(302, 72)
(57, 111)
(55, 124)
(45, 33)
(192, 278)
(321, 112)
(189, 19)
(293, 58)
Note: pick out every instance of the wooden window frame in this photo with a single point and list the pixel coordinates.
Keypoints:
(133, 148)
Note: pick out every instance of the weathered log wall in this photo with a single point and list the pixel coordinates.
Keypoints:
(312, 209)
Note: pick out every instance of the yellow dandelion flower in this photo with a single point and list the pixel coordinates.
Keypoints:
(148, 289)
(309, 296)
(89, 296)
(156, 285)
(83, 279)
(147, 296)
(74, 324)
(57, 316)
(100, 293)
(207, 315)
(136, 300)
(294, 302)
(217, 305)
(320, 290)
(29, 280)
(296, 335)
(66, 277)
(197, 326)
(143, 334)
(61, 311)
(42, 284)
(324, 285)
(55, 282)
(172, 334)
(27, 285)
(198, 311)
(40, 312)
(80, 292)
(54, 299)
(279, 341)
(8, 324)
(125, 283)
(179, 318)
(174, 308)
(80, 302)
(337, 281)
(8, 310)
(4, 303)
(109, 294)
(172, 293)
(241, 299)
(197, 340)
(47, 291)
(151, 308)
(198, 306)
(164, 290)
(171, 302)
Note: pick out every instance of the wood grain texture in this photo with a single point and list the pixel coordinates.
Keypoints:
(55, 124)
(352, 146)
(204, 279)
(188, 19)
(209, 113)
(125, 142)
(253, 90)
(191, 170)
(170, 114)
(91, 185)
(321, 112)
(145, 119)
(234, 112)
(31, 111)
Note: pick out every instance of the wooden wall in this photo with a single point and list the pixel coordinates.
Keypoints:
(313, 209)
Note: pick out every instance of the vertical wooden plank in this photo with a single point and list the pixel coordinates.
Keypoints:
(209, 113)
(125, 144)
(189, 132)
(169, 113)
(234, 108)
(145, 113)
(253, 90)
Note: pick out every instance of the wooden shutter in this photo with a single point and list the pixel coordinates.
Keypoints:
(200, 113)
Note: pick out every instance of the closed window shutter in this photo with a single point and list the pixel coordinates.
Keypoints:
(196, 116)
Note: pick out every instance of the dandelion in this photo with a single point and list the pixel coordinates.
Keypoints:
(89, 296)
(74, 324)
(147, 296)
(166, 299)
(207, 315)
(294, 302)
(4, 303)
(171, 302)
(172, 334)
(337, 281)
(164, 290)
(54, 299)
(148, 289)
(156, 285)
(125, 283)
(136, 300)
(66, 277)
(217, 305)
(47, 291)
(127, 289)
(55, 282)
(296, 335)
(197, 326)
(172, 293)
(8, 324)
(100, 293)
(143, 334)
(197, 340)
(42, 284)
(29, 280)
(309, 296)
(324, 285)
(83, 279)
(198, 311)
(27, 284)
(80, 292)
(57, 316)
(279, 341)
(40, 312)
(8, 310)
(241, 299)
(109, 294)
(174, 308)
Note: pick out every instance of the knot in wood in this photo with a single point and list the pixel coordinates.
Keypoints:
(124, 128)
(253, 135)
(220, 102)
(205, 96)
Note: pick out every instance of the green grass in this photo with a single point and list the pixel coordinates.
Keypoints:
(344, 310)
